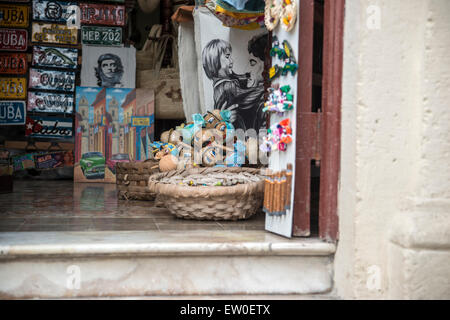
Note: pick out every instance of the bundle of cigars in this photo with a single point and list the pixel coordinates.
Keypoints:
(277, 191)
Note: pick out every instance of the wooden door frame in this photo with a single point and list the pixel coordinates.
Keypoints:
(318, 134)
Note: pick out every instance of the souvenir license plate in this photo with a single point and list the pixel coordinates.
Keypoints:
(55, 57)
(13, 88)
(52, 80)
(50, 102)
(110, 36)
(105, 14)
(13, 40)
(50, 160)
(13, 63)
(48, 127)
(54, 33)
(53, 11)
(12, 112)
(13, 16)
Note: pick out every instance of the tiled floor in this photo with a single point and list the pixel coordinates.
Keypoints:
(65, 206)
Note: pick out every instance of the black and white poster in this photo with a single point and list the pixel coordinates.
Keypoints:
(110, 67)
(230, 68)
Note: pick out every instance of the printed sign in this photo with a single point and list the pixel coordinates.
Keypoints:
(13, 88)
(13, 40)
(52, 80)
(55, 57)
(109, 36)
(104, 14)
(53, 160)
(48, 127)
(53, 11)
(22, 162)
(13, 63)
(140, 121)
(13, 16)
(54, 33)
(12, 112)
(50, 102)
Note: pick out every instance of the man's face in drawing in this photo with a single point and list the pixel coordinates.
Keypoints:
(109, 67)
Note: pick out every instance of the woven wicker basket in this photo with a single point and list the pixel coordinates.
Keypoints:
(235, 202)
(132, 179)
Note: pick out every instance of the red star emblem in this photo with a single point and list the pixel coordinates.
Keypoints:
(30, 124)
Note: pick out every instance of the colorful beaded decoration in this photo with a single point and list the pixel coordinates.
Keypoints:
(280, 100)
(278, 137)
(272, 12)
(288, 14)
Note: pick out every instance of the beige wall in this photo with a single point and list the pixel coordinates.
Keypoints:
(394, 197)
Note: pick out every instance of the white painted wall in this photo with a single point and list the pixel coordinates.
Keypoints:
(394, 196)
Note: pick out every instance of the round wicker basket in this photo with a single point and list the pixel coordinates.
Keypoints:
(235, 202)
(132, 178)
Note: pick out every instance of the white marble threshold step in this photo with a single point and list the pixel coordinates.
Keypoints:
(126, 264)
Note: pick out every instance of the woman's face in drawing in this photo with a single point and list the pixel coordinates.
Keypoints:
(226, 63)
(256, 67)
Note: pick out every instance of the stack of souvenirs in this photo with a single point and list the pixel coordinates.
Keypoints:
(207, 141)
(280, 99)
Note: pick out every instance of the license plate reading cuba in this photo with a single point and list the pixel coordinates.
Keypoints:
(54, 33)
(66, 58)
(13, 16)
(13, 63)
(13, 40)
(12, 112)
(110, 36)
(53, 11)
(50, 102)
(52, 80)
(13, 88)
(103, 14)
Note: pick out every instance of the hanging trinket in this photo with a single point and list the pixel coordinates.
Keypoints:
(275, 72)
(280, 100)
(288, 14)
(272, 13)
(276, 50)
(278, 138)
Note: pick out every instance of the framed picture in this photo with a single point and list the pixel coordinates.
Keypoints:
(109, 67)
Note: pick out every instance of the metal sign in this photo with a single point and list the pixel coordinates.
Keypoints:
(52, 80)
(50, 102)
(13, 88)
(13, 63)
(12, 112)
(55, 57)
(141, 121)
(13, 40)
(13, 16)
(53, 11)
(103, 14)
(54, 33)
(109, 36)
(48, 127)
